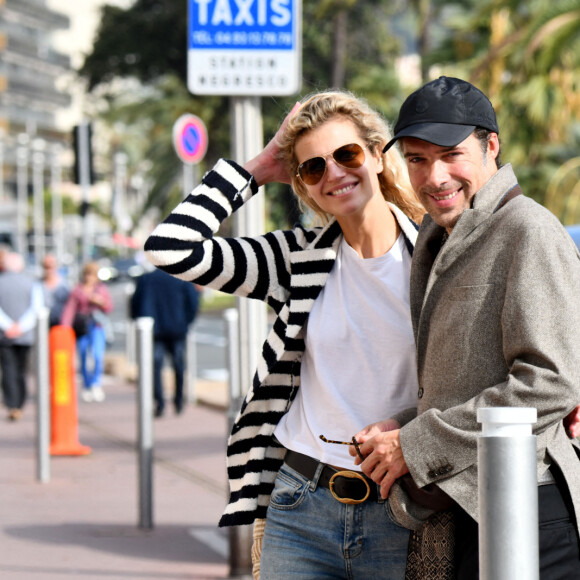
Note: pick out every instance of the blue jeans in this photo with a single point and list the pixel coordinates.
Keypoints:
(309, 534)
(92, 343)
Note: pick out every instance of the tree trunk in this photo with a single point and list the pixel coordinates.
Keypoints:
(423, 40)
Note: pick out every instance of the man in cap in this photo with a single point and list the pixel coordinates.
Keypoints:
(495, 306)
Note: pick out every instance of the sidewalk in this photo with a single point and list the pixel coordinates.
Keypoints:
(83, 523)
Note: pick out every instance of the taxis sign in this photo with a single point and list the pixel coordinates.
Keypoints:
(244, 47)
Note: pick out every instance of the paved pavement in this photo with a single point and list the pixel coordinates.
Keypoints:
(84, 522)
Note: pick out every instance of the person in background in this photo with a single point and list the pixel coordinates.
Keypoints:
(88, 296)
(20, 299)
(173, 305)
(341, 348)
(55, 287)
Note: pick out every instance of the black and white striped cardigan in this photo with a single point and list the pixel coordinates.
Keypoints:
(287, 270)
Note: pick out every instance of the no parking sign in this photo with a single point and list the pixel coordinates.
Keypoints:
(190, 138)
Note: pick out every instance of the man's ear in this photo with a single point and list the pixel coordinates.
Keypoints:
(493, 145)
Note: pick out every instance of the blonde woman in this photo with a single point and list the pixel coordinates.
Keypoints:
(341, 350)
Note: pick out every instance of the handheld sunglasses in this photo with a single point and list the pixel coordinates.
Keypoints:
(311, 171)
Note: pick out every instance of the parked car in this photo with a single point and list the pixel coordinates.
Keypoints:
(574, 231)
(120, 269)
(128, 268)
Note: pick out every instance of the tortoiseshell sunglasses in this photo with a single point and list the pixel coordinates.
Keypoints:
(353, 441)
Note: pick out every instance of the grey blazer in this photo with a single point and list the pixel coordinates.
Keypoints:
(496, 317)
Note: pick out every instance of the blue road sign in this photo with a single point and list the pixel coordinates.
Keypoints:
(190, 138)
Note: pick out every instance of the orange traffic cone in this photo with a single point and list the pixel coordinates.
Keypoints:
(64, 432)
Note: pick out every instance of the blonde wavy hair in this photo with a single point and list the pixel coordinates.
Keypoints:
(325, 106)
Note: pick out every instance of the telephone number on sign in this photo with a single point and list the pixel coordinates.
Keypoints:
(278, 40)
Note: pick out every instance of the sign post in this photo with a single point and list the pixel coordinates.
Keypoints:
(245, 49)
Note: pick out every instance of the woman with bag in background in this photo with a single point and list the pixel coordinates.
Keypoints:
(89, 296)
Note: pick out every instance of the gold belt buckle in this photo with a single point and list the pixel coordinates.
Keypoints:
(351, 475)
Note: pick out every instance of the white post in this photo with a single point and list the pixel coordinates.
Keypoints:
(38, 146)
(2, 135)
(22, 195)
(84, 152)
(190, 366)
(240, 537)
(42, 397)
(190, 178)
(247, 142)
(145, 365)
(56, 206)
(508, 494)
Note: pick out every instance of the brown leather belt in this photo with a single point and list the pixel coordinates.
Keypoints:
(350, 487)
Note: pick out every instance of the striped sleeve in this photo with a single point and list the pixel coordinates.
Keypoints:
(185, 244)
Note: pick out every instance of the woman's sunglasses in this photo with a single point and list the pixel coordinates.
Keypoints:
(351, 156)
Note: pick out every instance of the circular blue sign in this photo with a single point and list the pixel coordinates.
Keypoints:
(190, 138)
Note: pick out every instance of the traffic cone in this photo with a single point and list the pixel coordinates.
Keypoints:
(64, 417)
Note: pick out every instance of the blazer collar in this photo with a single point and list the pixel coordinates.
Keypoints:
(431, 236)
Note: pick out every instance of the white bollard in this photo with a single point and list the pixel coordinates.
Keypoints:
(240, 537)
(145, 418)
(508, 494)
(42, 396)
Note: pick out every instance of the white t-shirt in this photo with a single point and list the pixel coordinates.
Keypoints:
(359, 362)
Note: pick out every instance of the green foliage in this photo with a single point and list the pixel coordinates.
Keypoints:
(147, 40)
(523, 53)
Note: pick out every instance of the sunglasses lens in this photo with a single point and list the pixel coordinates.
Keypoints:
(350, 156)
(311, 171)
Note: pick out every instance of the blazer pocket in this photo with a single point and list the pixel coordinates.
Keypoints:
(470, 293)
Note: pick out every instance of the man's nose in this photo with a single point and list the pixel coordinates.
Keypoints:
(437, 174)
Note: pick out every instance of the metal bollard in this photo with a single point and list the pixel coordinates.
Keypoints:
(508, 494)
(129, 290)
(145, 399)
(190, 367)
(43, 397)
(240, 537)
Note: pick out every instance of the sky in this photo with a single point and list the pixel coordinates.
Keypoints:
(84, 17)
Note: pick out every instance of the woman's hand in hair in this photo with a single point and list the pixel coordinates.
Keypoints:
(266, 167)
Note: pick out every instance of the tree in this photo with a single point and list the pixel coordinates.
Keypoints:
(525, 56)
(147, 42)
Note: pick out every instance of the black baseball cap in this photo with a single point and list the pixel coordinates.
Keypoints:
(444, 112)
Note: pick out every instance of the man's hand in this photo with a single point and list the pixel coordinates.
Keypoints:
(381, 447)
(572, 423)
(13, 331)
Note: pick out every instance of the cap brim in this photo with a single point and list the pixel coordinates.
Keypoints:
(442, 134)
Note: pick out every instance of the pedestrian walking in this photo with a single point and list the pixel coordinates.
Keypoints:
(20, 300)
(173, 305)
(56, 289)
(87, 297)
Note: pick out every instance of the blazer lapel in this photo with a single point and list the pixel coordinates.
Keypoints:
(309, 271)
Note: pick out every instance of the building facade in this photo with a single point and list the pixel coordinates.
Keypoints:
(29, 100)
